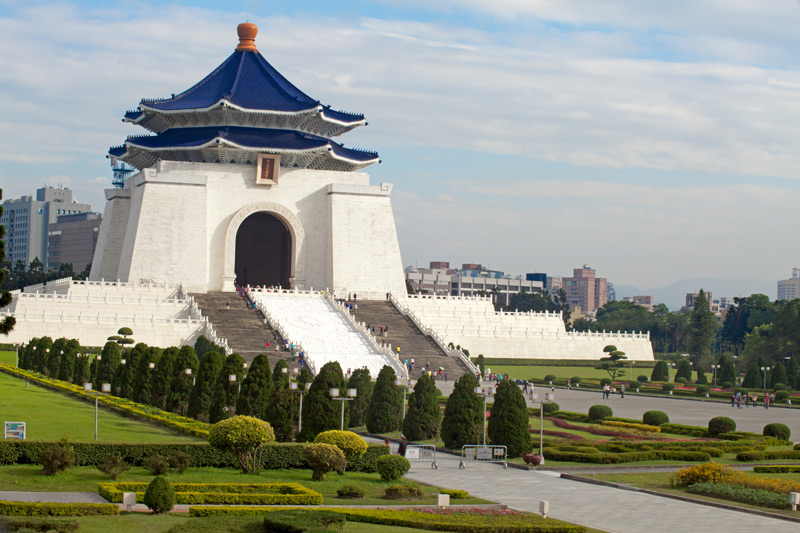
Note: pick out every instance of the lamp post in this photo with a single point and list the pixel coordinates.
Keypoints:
(406, 384)
(480, 392)
(188, 372)
(351, 395)
(106, 389)
(295, 387)
(548, 397)
(630, 371)
(714, 368)
(669, 365)
(765, 369)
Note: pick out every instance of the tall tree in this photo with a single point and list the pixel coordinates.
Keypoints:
(702, 323)
(322, 412)
(123, 381)
(660, 372)
(40, 353)
(53, 363)
(68, 360)
(463, 414)
(81, 371)
(423, 420)
(7, 324)
(613, 362)
(753, 377)
(362, 382)
(144, 375)
(778, 375)
(162, 378)
(727, 371)
(226, 391)
(256, 388)
(109, 361)
(684, 370)
(282, 410)
(181, 383)
(203, 390)
(385, 410)
(508, 425)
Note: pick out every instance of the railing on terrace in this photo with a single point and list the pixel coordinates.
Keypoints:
(108, 298)
(84, 318)
(540, 334)
(453, 352)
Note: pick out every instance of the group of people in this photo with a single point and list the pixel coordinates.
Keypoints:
(751, 399)
(378, 330)
(608, 390)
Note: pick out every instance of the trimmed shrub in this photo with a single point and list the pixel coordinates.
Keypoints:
(575, 380)
(159, 496)
(655, 418)
(737, 493)
(702, 389)
(727, 385)
(245, 437)
(633, 385)
(39, 524)
(781, 395)
(599, 412)
(777, 469)
(551, 408)
(750, 455)
(403, 492)
(57, 509)
(57, 457)
(682, 381)
(508, 425)
(393, 467)
(157, 465)
(351, 444)
(385, 409)
(550, 377)
(350, 492)
(179, 462)
(642, 379)
(423, 419)
(324, 458)
(222, 493)
(779, 386)
(463, 414)
(720, 424)
(666, 387)
(779, 431)
(113, 466)
(605, 381)
(274, 526)
(456, 494)
(705, 473)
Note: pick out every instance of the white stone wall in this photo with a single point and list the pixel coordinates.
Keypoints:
(111, 238)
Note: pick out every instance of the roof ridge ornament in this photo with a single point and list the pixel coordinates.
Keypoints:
(247, 32)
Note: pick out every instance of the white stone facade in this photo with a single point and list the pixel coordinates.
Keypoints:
(178, 221)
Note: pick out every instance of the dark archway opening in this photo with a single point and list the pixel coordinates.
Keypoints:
(263, 252)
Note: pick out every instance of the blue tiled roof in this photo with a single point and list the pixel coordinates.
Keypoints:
(246, 80)
(257, 138)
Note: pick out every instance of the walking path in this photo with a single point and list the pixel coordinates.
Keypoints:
(608, 509)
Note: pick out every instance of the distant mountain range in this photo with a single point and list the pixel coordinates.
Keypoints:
(674, 294)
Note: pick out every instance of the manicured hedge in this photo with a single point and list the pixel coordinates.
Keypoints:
(681, 429)
(777, 469)
(625, 457)
(634, 426)
(276, 455)
(768, 455)
(737, 493)
(56, 509)
(222, 493)
(473, 520)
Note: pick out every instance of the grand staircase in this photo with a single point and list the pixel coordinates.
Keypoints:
(405, 334)
(242, 326)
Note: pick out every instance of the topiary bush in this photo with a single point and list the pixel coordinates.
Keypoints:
(551, 407)
(633, 385)
(642, 379)
(575, 380)
(351, 444)
(702, 389)
(550, 377)
(781, 395)
(113, 466)
(324, 458)
(350, 492)
(599, 412)
(778, 386)
(779, 431)
(727, 385)
(605, 381)
(404, 492)
(159, 496)
(392, 467)
(57, 457)
(667, 387)
(179, 462)
(245, 437)
(682, 381)
(720, 424)
(157, 465)
(456, 494)
(655, 418)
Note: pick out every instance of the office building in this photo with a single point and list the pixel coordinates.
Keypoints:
(72, 239)
(789, 289)
(586, 290)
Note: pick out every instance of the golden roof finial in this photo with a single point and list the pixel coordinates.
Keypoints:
(247, 37)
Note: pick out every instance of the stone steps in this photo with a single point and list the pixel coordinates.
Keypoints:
(242, 326)
(405, 334)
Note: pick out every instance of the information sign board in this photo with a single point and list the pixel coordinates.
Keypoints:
(15, 430)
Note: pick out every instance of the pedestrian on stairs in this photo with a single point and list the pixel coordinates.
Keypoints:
(355, 297)
(227, 306)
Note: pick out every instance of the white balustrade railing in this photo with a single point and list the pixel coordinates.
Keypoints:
(452, 352)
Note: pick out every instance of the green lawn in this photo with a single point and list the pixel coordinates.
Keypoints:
(86, 479)
(567, 372)
(8, 358)
(50, 415)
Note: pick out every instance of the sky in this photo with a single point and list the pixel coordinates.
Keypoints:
(653, 141)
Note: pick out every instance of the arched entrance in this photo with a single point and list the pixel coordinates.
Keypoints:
(263, 251)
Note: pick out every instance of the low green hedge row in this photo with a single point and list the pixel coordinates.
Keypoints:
(755, 455)
(480, 521)
(456, 494)
(737, 493)
(56, 509)
(681, 429)
(626, 457)
(777, 469)
(120, 405)
(222, 493)
(276, 455)
(50, 525)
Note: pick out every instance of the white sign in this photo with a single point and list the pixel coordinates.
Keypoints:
(484, 454)
(412, 453)
(15, 430)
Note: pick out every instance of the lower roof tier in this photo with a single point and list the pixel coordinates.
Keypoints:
(239, 145)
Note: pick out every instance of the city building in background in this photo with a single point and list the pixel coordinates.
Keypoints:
(719, 306)
(611, 292)
(72, 239)
(27, 222)
(789, 289)
(644, 301)
(586, 290)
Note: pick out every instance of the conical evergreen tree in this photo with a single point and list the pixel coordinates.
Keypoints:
(660, 372)
(684, 370)
(107, 366)
(69, 360)
(385, 410)
(423, 420)
(161, 379)
(320, 411)
(508, 424)
(82, 370)
(182, 383)
(778, 375)
(256, 388)
(362, 382)
(203, 390)
(25, 352)
(226, 392)
(463, 414)
(41, 353)
(53, 363)
(791, 372)
(753, 379)
(726, 374)
(144, 375)
(282, 410)
(122, 384)
(702, 379)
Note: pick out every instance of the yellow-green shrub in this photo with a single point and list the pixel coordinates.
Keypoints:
(222, 493)
(351, 444)
(56, 509)
(324, 458)
(705, 473)
(627, 425)
(456, 494)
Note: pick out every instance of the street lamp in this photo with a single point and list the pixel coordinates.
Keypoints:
(765, 369)
(188, 372)
(669, 365)
(409, 383)
(351, 395)
(232, 379)
(714, 368)
(548, 397)
(106, 389)
(294, 386)
(485, 393)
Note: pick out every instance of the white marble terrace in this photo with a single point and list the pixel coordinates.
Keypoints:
(325, 330)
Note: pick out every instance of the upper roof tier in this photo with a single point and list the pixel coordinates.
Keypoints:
(245, 90)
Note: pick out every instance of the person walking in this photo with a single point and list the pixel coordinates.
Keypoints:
(401, 449)
(622, 391)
